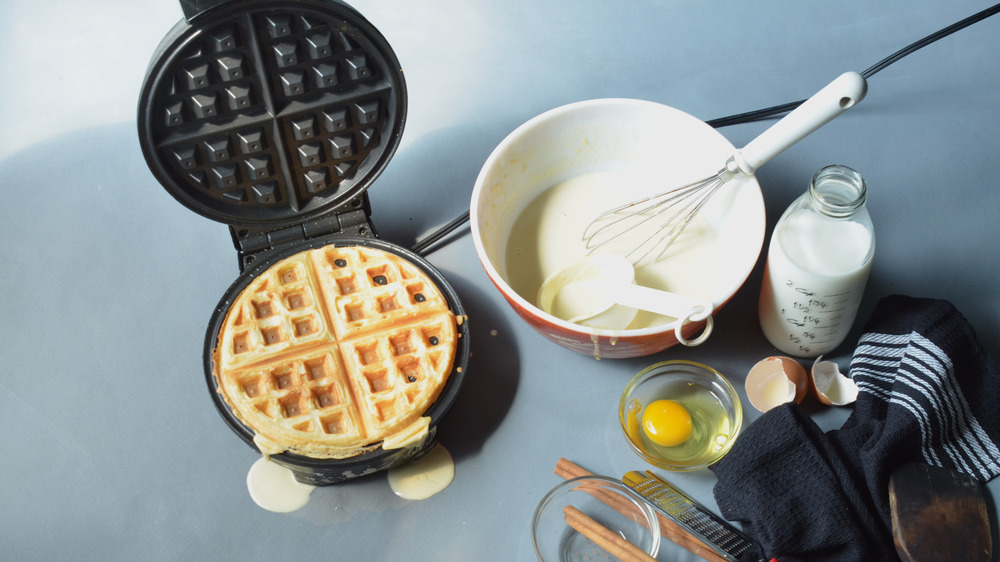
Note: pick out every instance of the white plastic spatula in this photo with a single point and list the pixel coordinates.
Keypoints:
(600, 292)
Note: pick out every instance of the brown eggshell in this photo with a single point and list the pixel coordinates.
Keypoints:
(774, 381)
(830, 386)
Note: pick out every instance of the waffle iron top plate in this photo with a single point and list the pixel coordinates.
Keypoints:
(269, 113)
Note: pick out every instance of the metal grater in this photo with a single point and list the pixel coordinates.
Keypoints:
(716, 533)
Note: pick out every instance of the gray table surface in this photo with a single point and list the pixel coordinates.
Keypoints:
(112, 448)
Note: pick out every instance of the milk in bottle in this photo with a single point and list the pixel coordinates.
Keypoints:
(817, 265)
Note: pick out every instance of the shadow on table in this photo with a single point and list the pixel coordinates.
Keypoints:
(492, 378)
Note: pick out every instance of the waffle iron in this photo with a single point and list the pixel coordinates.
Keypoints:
(275, 117)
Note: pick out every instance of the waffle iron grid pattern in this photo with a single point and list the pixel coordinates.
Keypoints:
(687, 513)
(270, 113)
(373, 317)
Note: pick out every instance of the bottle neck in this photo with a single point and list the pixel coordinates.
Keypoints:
(837, 191)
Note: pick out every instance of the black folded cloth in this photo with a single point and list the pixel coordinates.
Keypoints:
(928, 393)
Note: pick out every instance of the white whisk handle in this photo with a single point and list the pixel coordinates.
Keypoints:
(835, 98)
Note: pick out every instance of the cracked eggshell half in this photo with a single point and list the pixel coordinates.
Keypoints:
(832, 388)
(775, 381)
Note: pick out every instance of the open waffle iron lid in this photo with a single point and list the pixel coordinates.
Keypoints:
(272, 116)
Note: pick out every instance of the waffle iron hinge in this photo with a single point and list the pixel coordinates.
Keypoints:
(253, 244)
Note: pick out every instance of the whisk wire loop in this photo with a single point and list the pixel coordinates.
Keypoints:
(684, 201)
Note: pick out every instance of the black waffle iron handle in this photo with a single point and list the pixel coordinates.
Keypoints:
(193, 8)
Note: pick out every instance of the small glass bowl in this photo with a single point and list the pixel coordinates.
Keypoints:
(712, 402)
(608, 502)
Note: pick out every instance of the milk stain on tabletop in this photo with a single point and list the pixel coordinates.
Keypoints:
(424, 477)
(274, 487)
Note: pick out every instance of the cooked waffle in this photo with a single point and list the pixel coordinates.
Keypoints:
(333, 351)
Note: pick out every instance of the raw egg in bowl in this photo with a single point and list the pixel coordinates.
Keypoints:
(680, 415)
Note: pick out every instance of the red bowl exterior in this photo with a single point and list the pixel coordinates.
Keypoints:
(603, 346)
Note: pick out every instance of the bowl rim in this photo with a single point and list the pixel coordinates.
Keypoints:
(515, 137)
(644, 507)
(716, 376)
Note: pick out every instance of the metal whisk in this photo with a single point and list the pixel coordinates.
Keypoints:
(667, 213)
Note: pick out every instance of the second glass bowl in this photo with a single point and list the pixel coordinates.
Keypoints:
(606, 501)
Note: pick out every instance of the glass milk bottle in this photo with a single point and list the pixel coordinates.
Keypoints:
(817, 265)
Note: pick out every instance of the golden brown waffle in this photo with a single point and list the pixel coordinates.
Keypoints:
(333, 351)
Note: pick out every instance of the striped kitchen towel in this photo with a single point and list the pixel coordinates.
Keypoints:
(920, 366)
(928, 392)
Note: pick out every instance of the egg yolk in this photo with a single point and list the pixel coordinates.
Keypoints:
(666, 423)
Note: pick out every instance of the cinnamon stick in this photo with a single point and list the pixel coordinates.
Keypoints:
(613, 543)
(668, 528)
